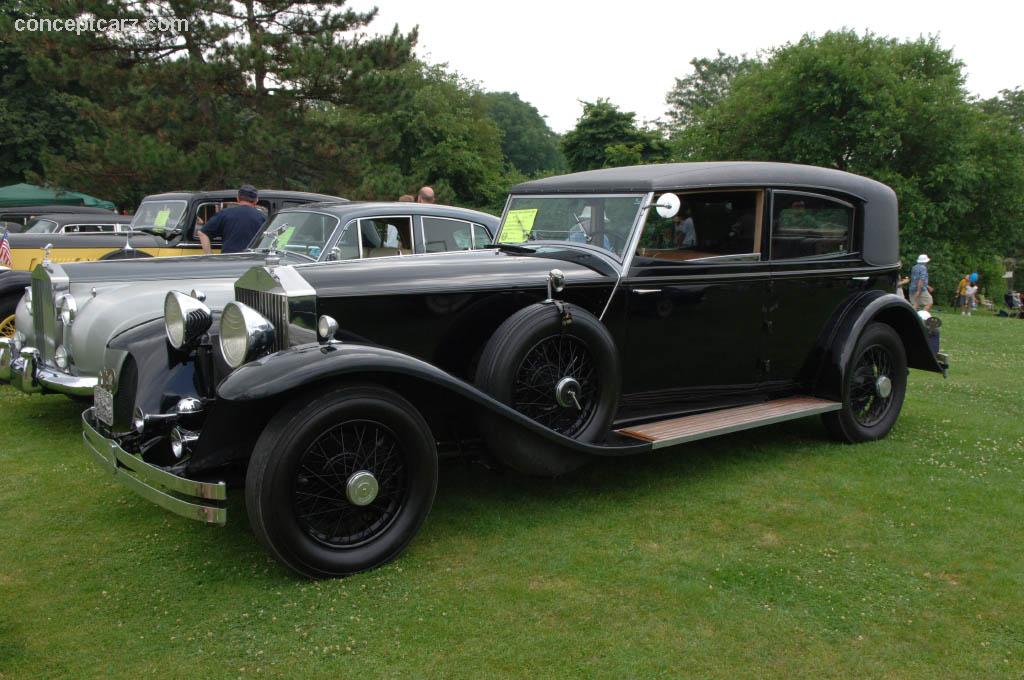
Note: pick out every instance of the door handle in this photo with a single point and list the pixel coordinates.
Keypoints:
(646, 291)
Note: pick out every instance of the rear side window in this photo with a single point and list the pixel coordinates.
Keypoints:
(441, 234)
(809, 225)
(88, 228)
(385, 236)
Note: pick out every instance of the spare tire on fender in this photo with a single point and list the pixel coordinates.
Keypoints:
(556, 363)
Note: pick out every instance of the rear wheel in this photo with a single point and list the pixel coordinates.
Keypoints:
(873, 389)
(341, 481)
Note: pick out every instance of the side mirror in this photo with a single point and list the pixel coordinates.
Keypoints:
(667, 205)
(334, 255)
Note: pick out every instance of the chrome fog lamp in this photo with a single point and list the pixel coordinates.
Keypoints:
(67, 308)
(244, 333)
(326, 327)
(185, 319)
(182, 441)
(62, 358)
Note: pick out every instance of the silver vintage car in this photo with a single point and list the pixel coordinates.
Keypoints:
(73, 313)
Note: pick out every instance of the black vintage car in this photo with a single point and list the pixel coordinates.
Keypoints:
(619, 312)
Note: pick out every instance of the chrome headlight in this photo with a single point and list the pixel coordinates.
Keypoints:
(67, 308)
(326, 327)
(244, 333)
(185, 319)
(62, 358)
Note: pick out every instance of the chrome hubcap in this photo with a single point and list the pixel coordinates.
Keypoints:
(883, 386)
(361, 488)
(566, 393)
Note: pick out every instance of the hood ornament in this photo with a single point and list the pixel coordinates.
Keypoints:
(46, 255)
(273, 255)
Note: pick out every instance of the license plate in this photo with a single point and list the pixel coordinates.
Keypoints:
(103, 402)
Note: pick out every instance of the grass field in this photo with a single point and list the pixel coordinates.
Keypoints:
(771, 553)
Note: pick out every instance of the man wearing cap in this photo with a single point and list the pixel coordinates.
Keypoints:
(236, 226)
(920, 291)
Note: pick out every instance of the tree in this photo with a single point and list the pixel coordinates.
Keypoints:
(894, 111)
(604, 137)
(709, 83)
(527, 142)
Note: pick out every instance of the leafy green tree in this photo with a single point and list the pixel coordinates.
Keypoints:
(709, 83)
(527, 142)
(604, 137)
(894, 111)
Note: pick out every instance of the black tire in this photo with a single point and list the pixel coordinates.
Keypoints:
(866, 415)
(8, 306)
(295, 461)
(509, 371)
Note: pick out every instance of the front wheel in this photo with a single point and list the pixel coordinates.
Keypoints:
(341, 481)
(8, 306)
(873, 388)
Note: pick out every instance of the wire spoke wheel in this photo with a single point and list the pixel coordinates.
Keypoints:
(535, 389)
(350, 484)
(7, 327)
(870, 385)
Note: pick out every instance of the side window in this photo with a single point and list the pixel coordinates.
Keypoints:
(809, 225)
(481, 237)
(441, 234)
(383, 236)
(708, 224)
(88, 228)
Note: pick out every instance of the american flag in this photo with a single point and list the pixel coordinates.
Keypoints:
(5, 251)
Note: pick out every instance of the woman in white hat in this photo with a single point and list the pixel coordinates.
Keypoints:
(920, 291)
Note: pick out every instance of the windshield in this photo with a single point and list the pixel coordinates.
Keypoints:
(601, 221)
(42, 227)
(159, 216)
(302, 233)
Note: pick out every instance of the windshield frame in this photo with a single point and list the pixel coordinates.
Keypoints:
(630, 237)
(328, 242)
(168, 229)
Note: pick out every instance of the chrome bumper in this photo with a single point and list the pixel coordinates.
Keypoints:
(25, 372)
(177, 494)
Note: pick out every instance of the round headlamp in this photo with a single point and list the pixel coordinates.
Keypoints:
(326, 327)
(185, 319)
(244, 333)
(67, 308)
(62, 358)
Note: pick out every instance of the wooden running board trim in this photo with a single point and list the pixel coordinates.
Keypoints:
(713, 423)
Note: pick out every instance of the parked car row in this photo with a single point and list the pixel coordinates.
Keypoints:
(607, 313)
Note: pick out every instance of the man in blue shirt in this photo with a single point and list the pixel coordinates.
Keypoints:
(920, 291)
(236, 226)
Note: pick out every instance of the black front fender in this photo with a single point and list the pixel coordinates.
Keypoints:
(293, 368)
(874, 306)
(14, 281)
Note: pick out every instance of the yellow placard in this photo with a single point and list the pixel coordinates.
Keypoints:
(161, 218)
(518, 225)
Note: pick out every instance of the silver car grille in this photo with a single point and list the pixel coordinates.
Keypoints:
(273, 306)
(44, 317)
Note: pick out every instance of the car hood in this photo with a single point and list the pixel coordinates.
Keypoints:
(168, 268)
(455, 272)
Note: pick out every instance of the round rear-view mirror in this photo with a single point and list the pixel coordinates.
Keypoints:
(667, 205)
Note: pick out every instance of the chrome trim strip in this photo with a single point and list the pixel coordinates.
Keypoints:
(809, 411)
(151, 482)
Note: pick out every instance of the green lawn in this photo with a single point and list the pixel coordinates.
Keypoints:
(771, 553)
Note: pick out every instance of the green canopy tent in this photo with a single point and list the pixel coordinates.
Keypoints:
(29, 194)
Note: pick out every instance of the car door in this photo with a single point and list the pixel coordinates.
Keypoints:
(814, 269)
(694, 296)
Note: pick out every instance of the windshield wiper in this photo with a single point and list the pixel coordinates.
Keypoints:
(509, 247)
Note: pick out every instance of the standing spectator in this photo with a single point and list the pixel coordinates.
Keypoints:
(903, 280)
(961, 294)
(920, 291)
(236, 226)
(425, 195)
(686, 236)
(970, 296)
(406, 198)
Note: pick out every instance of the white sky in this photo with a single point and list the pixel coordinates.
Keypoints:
(556, 53)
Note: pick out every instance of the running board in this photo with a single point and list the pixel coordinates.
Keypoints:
(713, 423)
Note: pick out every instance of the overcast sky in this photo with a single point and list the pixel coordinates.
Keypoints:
(556, 53)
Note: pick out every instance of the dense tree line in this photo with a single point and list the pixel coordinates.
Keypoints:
(298, 95)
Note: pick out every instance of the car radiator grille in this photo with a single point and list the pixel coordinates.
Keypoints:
(44, 316)
(273, 306)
